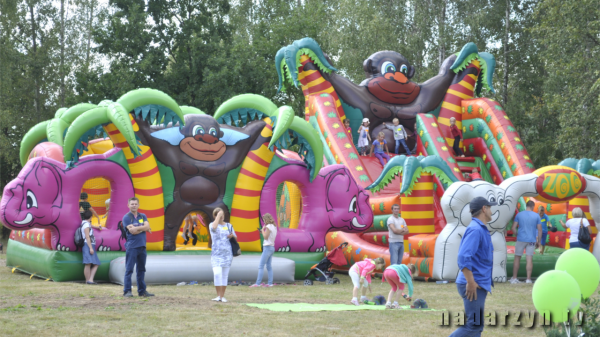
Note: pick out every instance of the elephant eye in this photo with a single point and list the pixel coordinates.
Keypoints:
(197, 130)
(31, 200)
(352, 207)
(404, 69)
(491, 198)
(500, 200)
(212, 132)
(388, 67)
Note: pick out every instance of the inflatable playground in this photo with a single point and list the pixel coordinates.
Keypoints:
(251, 157)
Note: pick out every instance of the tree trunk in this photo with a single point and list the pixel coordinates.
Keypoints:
(506, 68)
(36, 80)
(89, 35)
(62, 53)
(442, 33)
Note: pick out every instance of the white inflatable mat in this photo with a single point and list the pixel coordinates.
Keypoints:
(172, 269)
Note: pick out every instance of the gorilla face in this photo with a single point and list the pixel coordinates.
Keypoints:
(388, 78)
(202, 138)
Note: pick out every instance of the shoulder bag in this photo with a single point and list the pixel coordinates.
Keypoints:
(235, 246)
(584, 234)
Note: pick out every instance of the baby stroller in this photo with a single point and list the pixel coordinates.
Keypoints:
(336, 256)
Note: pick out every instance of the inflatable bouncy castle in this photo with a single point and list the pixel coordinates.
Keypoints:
(183, 163)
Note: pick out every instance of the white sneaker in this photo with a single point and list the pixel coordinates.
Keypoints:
(528, 281)
(388, 305)
(514, 281)
(217, 299)
(355, 302)
(223, 300)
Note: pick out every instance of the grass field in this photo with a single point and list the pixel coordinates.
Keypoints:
(34, 307)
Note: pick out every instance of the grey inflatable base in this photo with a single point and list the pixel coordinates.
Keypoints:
(172, 269)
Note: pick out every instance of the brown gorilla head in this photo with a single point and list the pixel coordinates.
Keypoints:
(388, 78)
(201, 139)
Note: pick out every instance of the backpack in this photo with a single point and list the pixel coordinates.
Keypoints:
(584, 234)
(79, 239)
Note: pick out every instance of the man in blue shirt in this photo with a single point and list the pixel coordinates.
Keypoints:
(135, 249)
(529, 234)
(545, 223)
(475, 262)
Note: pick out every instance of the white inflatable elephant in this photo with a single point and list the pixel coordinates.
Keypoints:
(455, 204)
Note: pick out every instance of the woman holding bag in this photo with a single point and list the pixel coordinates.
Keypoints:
(575, 225)
(221, 255)
(269, 232)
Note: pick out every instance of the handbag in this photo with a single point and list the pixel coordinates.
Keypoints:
(584, 234)
(235, 246)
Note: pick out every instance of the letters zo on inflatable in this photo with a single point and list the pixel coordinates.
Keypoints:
(552, 184)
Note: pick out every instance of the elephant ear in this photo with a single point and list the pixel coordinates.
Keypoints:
(328, 181)
(592, 191)
(455, 202)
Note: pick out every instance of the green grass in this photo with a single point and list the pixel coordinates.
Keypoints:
(35, 307)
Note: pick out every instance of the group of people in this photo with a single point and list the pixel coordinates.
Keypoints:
(136, 225)
(378, 147)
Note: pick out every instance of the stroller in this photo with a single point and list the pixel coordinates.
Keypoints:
(336, 256)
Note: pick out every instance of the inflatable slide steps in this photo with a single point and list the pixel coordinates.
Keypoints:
(61, 266)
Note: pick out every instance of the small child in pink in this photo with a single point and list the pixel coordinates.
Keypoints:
(397, 275)
(360, 273)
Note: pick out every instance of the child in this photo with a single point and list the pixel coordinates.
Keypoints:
(360, 273)
(363, 137)
(348, 129)
(400, 135)
(475, 176)
(457, 135)
(84, 205)
(397, 275)
(377, 148)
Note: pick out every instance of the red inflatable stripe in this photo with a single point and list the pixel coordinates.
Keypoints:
(152, 213)
(247, 237)
(151, 192)
(145, 174)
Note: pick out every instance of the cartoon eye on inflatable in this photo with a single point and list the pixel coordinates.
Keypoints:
(212, 132)
(198, 130)
(500, 200)
(31, 200)
(491, 198)
(352, 207)
(388, 67)
(404, 69)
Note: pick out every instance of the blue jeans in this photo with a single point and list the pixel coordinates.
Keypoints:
(474, 314)
(396, 252)
(265, 258)
(403, 142)
(579, 244)
(133, 257)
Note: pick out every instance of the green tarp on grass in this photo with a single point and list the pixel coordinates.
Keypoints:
(298, 307)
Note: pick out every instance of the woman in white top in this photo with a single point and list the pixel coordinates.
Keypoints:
(578, 220)
(269, 232)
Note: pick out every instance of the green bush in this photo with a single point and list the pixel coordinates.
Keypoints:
(591, 321)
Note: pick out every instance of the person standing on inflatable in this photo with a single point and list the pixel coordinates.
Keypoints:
(400, 136)
(397, 229)
(360, 273)
(364, 138)
(527, 223)
(136, 225)
(475, 262)
(457, 135)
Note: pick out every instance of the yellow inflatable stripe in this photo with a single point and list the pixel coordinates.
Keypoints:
(472, 76)
(446, 121)
(580, 201)
(422, 186)
(313, 83)
(417, 215)
(255, 167)
(246, 203)
(451, 107)
(250, 246)
(147, 183)
(417, 200)
(451, 141)
(248, 183)
(459, 94)
(305, 73)
(421, 229)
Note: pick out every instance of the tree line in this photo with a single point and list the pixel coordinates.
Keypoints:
(56, 54)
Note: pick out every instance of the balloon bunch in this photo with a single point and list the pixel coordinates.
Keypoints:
(558, 292)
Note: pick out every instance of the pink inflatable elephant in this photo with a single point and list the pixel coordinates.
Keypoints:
(45, 194)
(332, 202)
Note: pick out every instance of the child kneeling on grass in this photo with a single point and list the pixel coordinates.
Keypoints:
(397, 275)
(360, 273)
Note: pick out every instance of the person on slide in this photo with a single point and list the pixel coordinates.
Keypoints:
(378, 149)
(397, 275)
(360, 273)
